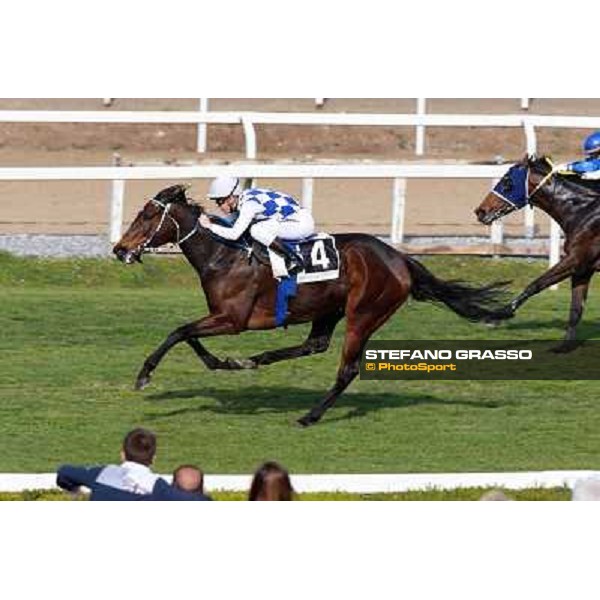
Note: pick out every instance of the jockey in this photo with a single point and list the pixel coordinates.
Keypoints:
(270, 215)
(590, 167)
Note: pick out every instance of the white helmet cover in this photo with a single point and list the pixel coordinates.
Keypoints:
(222, 187)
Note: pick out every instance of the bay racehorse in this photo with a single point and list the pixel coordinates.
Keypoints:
(574, 203)
(374, 281)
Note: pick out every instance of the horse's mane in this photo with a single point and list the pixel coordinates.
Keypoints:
(196, 208)
(539, 164)
(568, 187)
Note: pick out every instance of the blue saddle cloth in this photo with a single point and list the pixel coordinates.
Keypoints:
(287, 288)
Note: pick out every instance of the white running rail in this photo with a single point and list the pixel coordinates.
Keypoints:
(399, 174)
(248, 120)
(18, 482)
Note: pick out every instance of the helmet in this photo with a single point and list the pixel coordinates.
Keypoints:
(592, 143)
(222, 187)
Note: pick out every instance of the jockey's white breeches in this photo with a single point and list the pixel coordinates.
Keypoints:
(295, 227)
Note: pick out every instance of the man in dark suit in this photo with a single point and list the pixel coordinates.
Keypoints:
(133, 479)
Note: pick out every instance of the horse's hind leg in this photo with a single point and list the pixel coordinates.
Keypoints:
(317, 342)
(580, 284)
(347, 372)
(362, 323)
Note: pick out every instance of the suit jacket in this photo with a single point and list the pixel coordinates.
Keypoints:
(121, 482)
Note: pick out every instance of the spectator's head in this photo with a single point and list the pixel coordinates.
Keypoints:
(271, 482)
(139, 446)
(495, 495)
(189, 478)
(587, 489)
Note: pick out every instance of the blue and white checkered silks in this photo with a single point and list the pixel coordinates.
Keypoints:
(513, 186)
(273, 203)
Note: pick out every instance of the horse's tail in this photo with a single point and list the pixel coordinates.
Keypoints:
(475, 304)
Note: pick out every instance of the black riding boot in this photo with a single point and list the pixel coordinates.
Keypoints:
(296, 262)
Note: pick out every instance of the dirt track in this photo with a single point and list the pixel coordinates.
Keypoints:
(433, 207)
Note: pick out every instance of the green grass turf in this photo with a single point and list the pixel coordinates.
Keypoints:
(75, 333)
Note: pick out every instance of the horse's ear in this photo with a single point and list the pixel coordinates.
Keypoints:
(174, 193)
(186, 187)
(179, 194)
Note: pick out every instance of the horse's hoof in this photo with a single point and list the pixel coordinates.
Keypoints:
(307, 421)
(492, 322)
(143, 381)
(240, 364)
(504, 314)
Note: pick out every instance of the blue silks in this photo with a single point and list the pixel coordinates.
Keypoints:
(513, 187)
(585, 166)
(286, 289)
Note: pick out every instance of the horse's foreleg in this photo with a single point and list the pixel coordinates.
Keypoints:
(560, 271)
(317, 342)
(579, 290)
(213, 362)
(208, 326)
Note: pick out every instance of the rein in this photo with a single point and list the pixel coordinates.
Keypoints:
(543, 182)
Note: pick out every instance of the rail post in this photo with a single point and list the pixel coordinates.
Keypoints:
(250, 135)
(496, 229)
(116, 204)
(307, 193)
(420, 133)
(201, 135)
(398, 210)
(531, 140)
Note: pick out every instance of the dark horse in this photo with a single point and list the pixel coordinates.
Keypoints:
(374, 281)
(574, 203)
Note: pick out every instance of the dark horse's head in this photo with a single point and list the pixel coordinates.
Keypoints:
(514, 191)
(161, 221)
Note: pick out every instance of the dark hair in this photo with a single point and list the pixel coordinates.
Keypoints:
(139, 446)
(271, 482)
(189, 478)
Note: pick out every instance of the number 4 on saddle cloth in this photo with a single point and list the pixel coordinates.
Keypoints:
(321, 259)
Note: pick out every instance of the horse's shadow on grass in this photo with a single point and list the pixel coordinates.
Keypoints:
(258, 400)
(585, 330)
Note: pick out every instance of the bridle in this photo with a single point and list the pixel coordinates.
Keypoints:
(165, 214)
(543, 182)
(511, 204)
